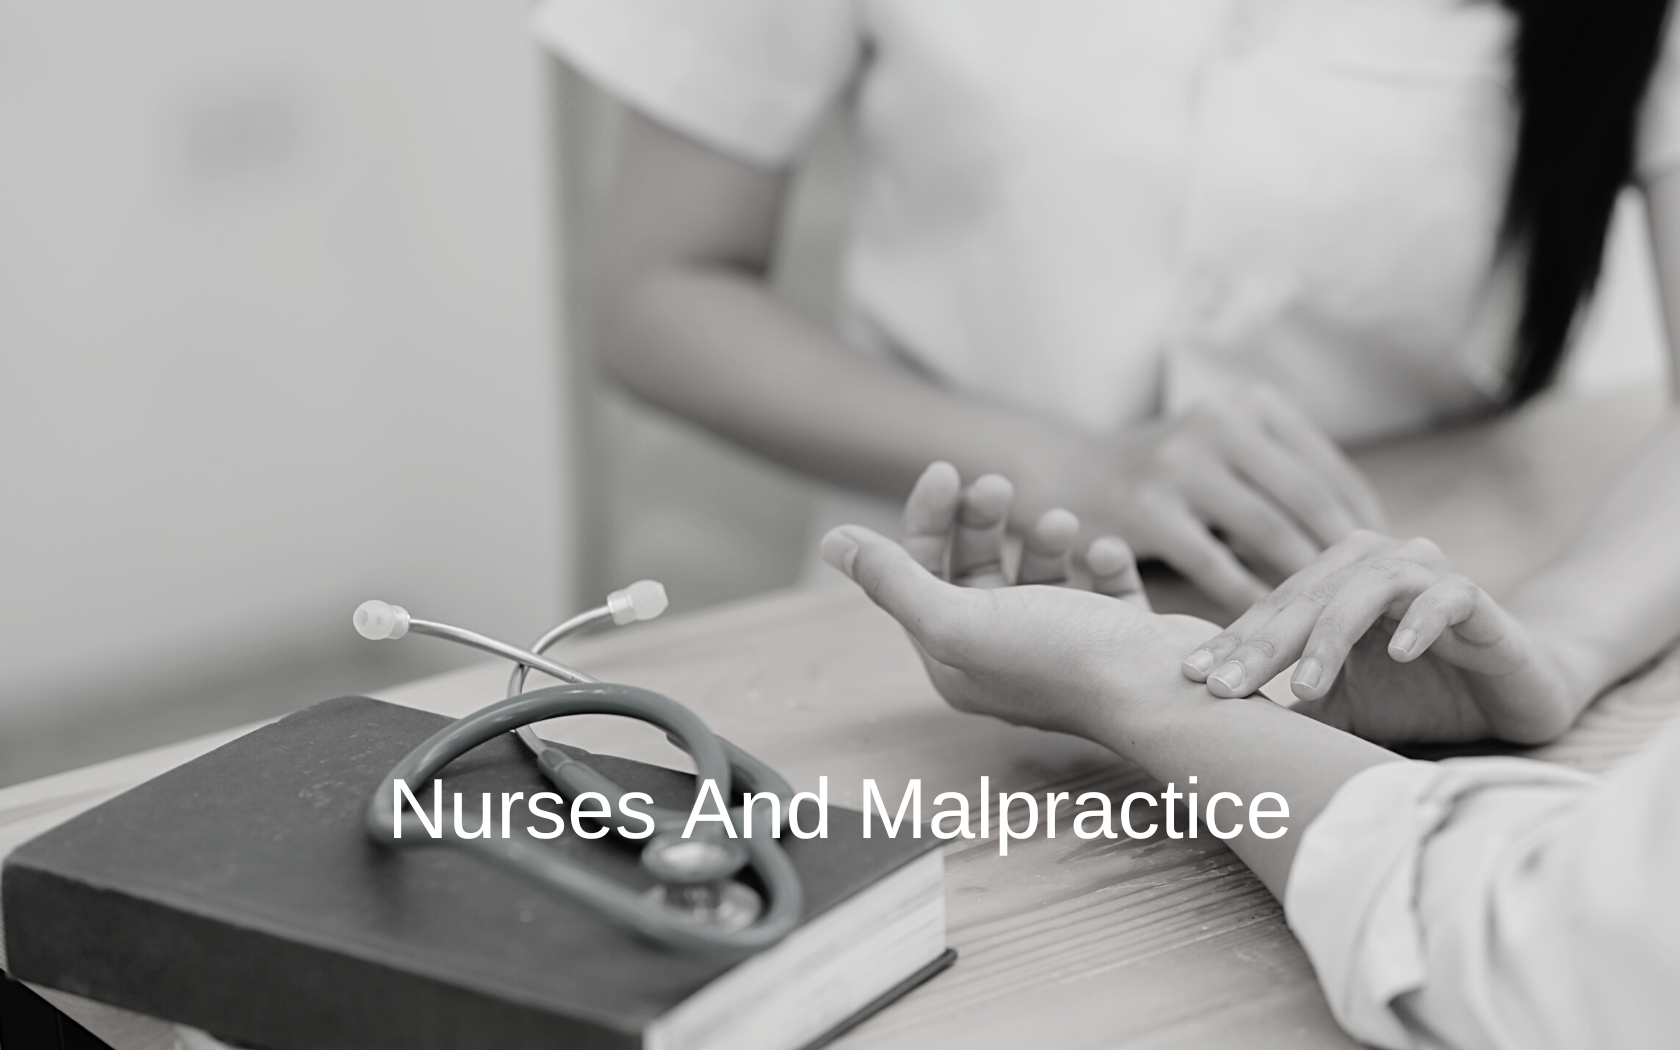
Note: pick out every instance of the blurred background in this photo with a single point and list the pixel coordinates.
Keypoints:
(295, 311)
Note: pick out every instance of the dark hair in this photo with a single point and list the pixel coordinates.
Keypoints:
(1581, 71)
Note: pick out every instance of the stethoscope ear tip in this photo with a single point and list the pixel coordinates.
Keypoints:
(376, 620)
(642, 600)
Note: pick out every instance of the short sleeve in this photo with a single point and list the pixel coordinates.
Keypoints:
(748, 77)
(1658, 146)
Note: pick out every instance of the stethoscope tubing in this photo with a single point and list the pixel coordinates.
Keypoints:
(714, 760)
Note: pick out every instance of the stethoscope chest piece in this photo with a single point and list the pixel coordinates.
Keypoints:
(696, 880)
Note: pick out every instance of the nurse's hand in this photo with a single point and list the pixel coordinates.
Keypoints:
(1039, 653)
(1241, 478)
(1395, 646)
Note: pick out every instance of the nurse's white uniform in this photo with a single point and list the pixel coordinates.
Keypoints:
(1108, 210)
(1103, 210)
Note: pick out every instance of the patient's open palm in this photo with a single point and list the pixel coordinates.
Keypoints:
(1038, 653)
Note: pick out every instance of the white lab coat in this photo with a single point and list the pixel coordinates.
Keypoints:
(1498, 903)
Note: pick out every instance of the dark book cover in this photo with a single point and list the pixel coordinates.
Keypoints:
(239, 893)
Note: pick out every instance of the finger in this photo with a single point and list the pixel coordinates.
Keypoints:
(930, 514)
(1310, 498)
(1253, 521)
(1299, 433)
(1385, 586)
(1047, 548)
(1114, 571)
(977, 553)
(1276, 644)
(926, 606)
(1218, 649)
(1447, 602)
(1185, 543)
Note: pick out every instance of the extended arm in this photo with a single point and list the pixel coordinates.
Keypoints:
(1243, 746)
(1490, 902)
(690, 324)
(1096, 665)
(1612, 600)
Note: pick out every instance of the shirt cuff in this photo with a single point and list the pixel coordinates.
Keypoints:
(1352, 897)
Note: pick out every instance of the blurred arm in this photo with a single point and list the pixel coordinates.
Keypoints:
(1612, 600)
(691, 325)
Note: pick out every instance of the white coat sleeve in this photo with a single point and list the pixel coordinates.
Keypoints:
(1498, 903)
(751, 78)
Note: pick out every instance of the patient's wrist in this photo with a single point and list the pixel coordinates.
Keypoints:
(1152, 702)
(1172, 710)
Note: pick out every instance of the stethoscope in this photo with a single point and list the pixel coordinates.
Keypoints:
(697, 903)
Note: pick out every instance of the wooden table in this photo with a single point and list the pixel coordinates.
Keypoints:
(1065, 942)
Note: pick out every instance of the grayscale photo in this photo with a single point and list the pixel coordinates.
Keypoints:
(871, 524)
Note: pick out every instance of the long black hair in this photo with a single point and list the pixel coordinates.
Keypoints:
(1581, 68)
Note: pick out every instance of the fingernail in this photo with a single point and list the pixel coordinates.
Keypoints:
(1230, 676)
(1199, 661)
(1307, 673)
(1403, 642)
(839, 550)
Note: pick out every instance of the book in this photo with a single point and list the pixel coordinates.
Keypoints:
(240, 894)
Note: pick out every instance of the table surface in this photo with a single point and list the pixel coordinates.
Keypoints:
(1160, 943)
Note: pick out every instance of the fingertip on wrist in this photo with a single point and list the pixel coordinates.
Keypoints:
(1402, 647)
(1227, 682)
(1197, 665)
(1307, 678)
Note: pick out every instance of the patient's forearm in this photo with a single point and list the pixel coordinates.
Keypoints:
(1612, 600)
(1245, 747)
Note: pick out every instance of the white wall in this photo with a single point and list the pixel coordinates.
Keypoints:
(275, 333)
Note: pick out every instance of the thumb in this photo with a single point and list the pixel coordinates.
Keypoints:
(888, 575)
